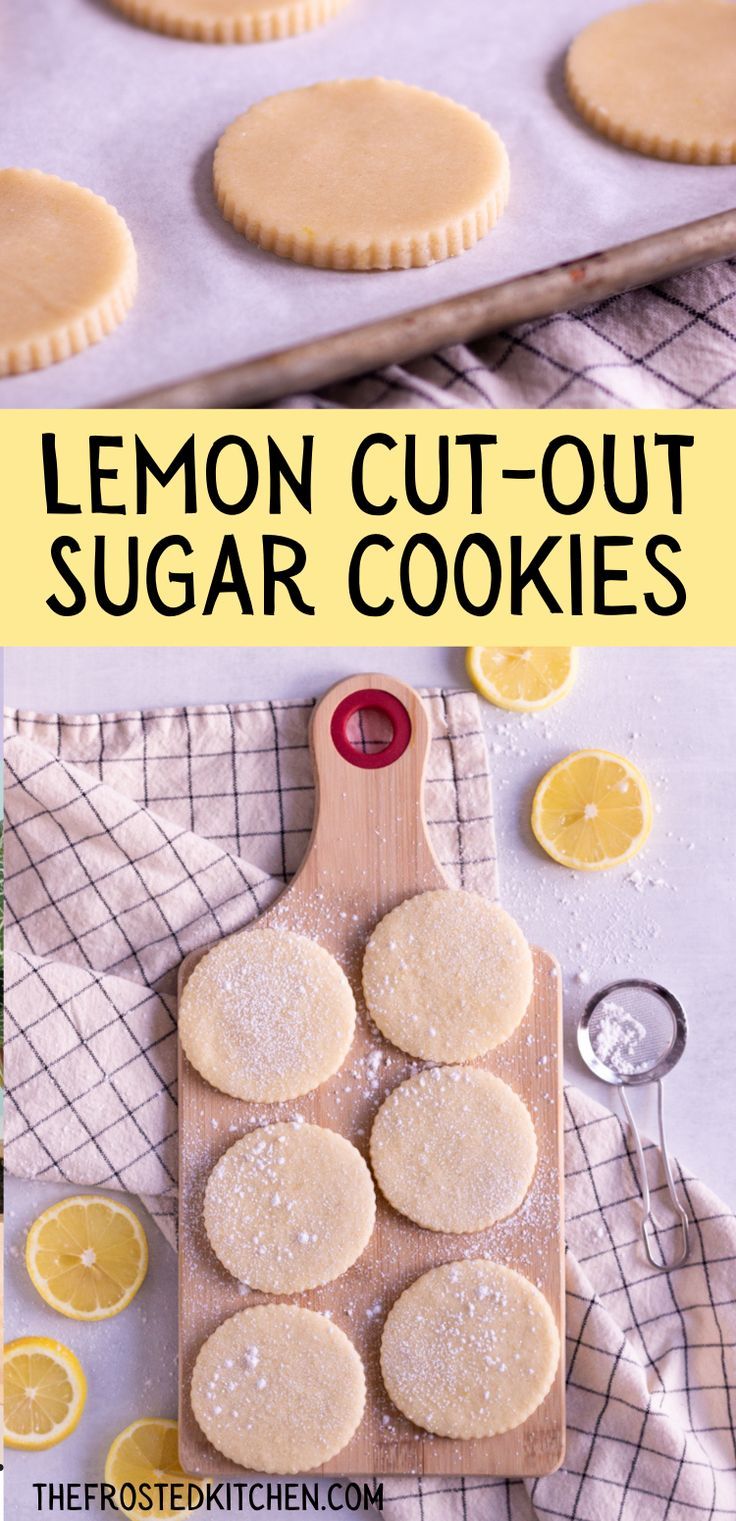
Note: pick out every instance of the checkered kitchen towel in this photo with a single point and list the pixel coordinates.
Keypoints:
(669, 345)
(133, 838)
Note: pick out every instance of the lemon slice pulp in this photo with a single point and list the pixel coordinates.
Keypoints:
(521, 680)
(45, 1392)
(592, 810)
(87, 1256)
(147, 1452)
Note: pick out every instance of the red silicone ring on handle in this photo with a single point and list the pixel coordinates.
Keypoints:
(377, 701)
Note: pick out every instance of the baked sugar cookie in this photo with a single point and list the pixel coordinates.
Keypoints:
(267, 1015)
(289, 1207)
(68, 269)
(447, 975)
(469, 1350)
(661, 78)
(454, 1149)
(361, 174)
(230, 20)
(278, 1389)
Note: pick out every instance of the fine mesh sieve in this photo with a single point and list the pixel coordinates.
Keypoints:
(633, 1033)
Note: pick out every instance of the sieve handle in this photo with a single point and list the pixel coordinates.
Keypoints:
(649, 1224)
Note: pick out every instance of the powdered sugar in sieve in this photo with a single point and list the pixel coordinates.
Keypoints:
(633, 1032)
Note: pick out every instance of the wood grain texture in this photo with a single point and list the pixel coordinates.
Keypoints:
(369, 850)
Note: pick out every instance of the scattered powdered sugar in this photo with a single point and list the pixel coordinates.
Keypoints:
(454, 1149)
(348, 1103)
(620, 923)
(289, 1206)
(463, 1361)
(641, 880)
(284, 1015)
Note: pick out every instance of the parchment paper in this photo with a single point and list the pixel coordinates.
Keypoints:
(136, 116)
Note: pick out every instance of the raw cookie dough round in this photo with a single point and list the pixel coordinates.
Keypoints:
(454, 1149)
(447, 975)
(289, 1207)
(661, 78)
(469, 1350)
(278, 1389)
(68, 270)
(267, 1015)
(361, 174)
(230, 20)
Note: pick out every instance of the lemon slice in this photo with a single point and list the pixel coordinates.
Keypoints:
(592, 810)
(147, 1452)
(45, 1392)
(521, 680)
(87, 1256)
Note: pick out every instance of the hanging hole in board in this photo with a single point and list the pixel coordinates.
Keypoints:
(370, 728)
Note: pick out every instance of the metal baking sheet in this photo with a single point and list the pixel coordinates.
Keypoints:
(136, 116)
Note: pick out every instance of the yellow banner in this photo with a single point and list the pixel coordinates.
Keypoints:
(320, 527)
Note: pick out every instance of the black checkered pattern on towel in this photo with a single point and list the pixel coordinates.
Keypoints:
(670, 345)
(132, 838)
(651, 1359)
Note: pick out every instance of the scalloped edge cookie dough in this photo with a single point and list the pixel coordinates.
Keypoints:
(68, 270)
(470, 1349)
(394, 177)
(289, 1207)
(447, 976)
(659, 78)
(278, 1389)
(267, 1015)
(454, 1149)
(230, 20)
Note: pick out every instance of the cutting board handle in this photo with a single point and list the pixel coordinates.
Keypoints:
(369, 808)
(371, 700)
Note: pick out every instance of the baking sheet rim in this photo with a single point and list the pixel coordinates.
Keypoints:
(456, 319)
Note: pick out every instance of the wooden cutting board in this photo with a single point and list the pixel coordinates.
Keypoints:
(368, 851)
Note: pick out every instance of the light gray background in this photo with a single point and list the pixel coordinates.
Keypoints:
(136, 116)
(670, 915)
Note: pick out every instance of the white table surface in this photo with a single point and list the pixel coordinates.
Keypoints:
(672, 711)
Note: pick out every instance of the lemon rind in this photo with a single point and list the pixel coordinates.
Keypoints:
(574, 863)
(77, 1377)
(40, 1283)
(486, 690)
(163, 1421)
